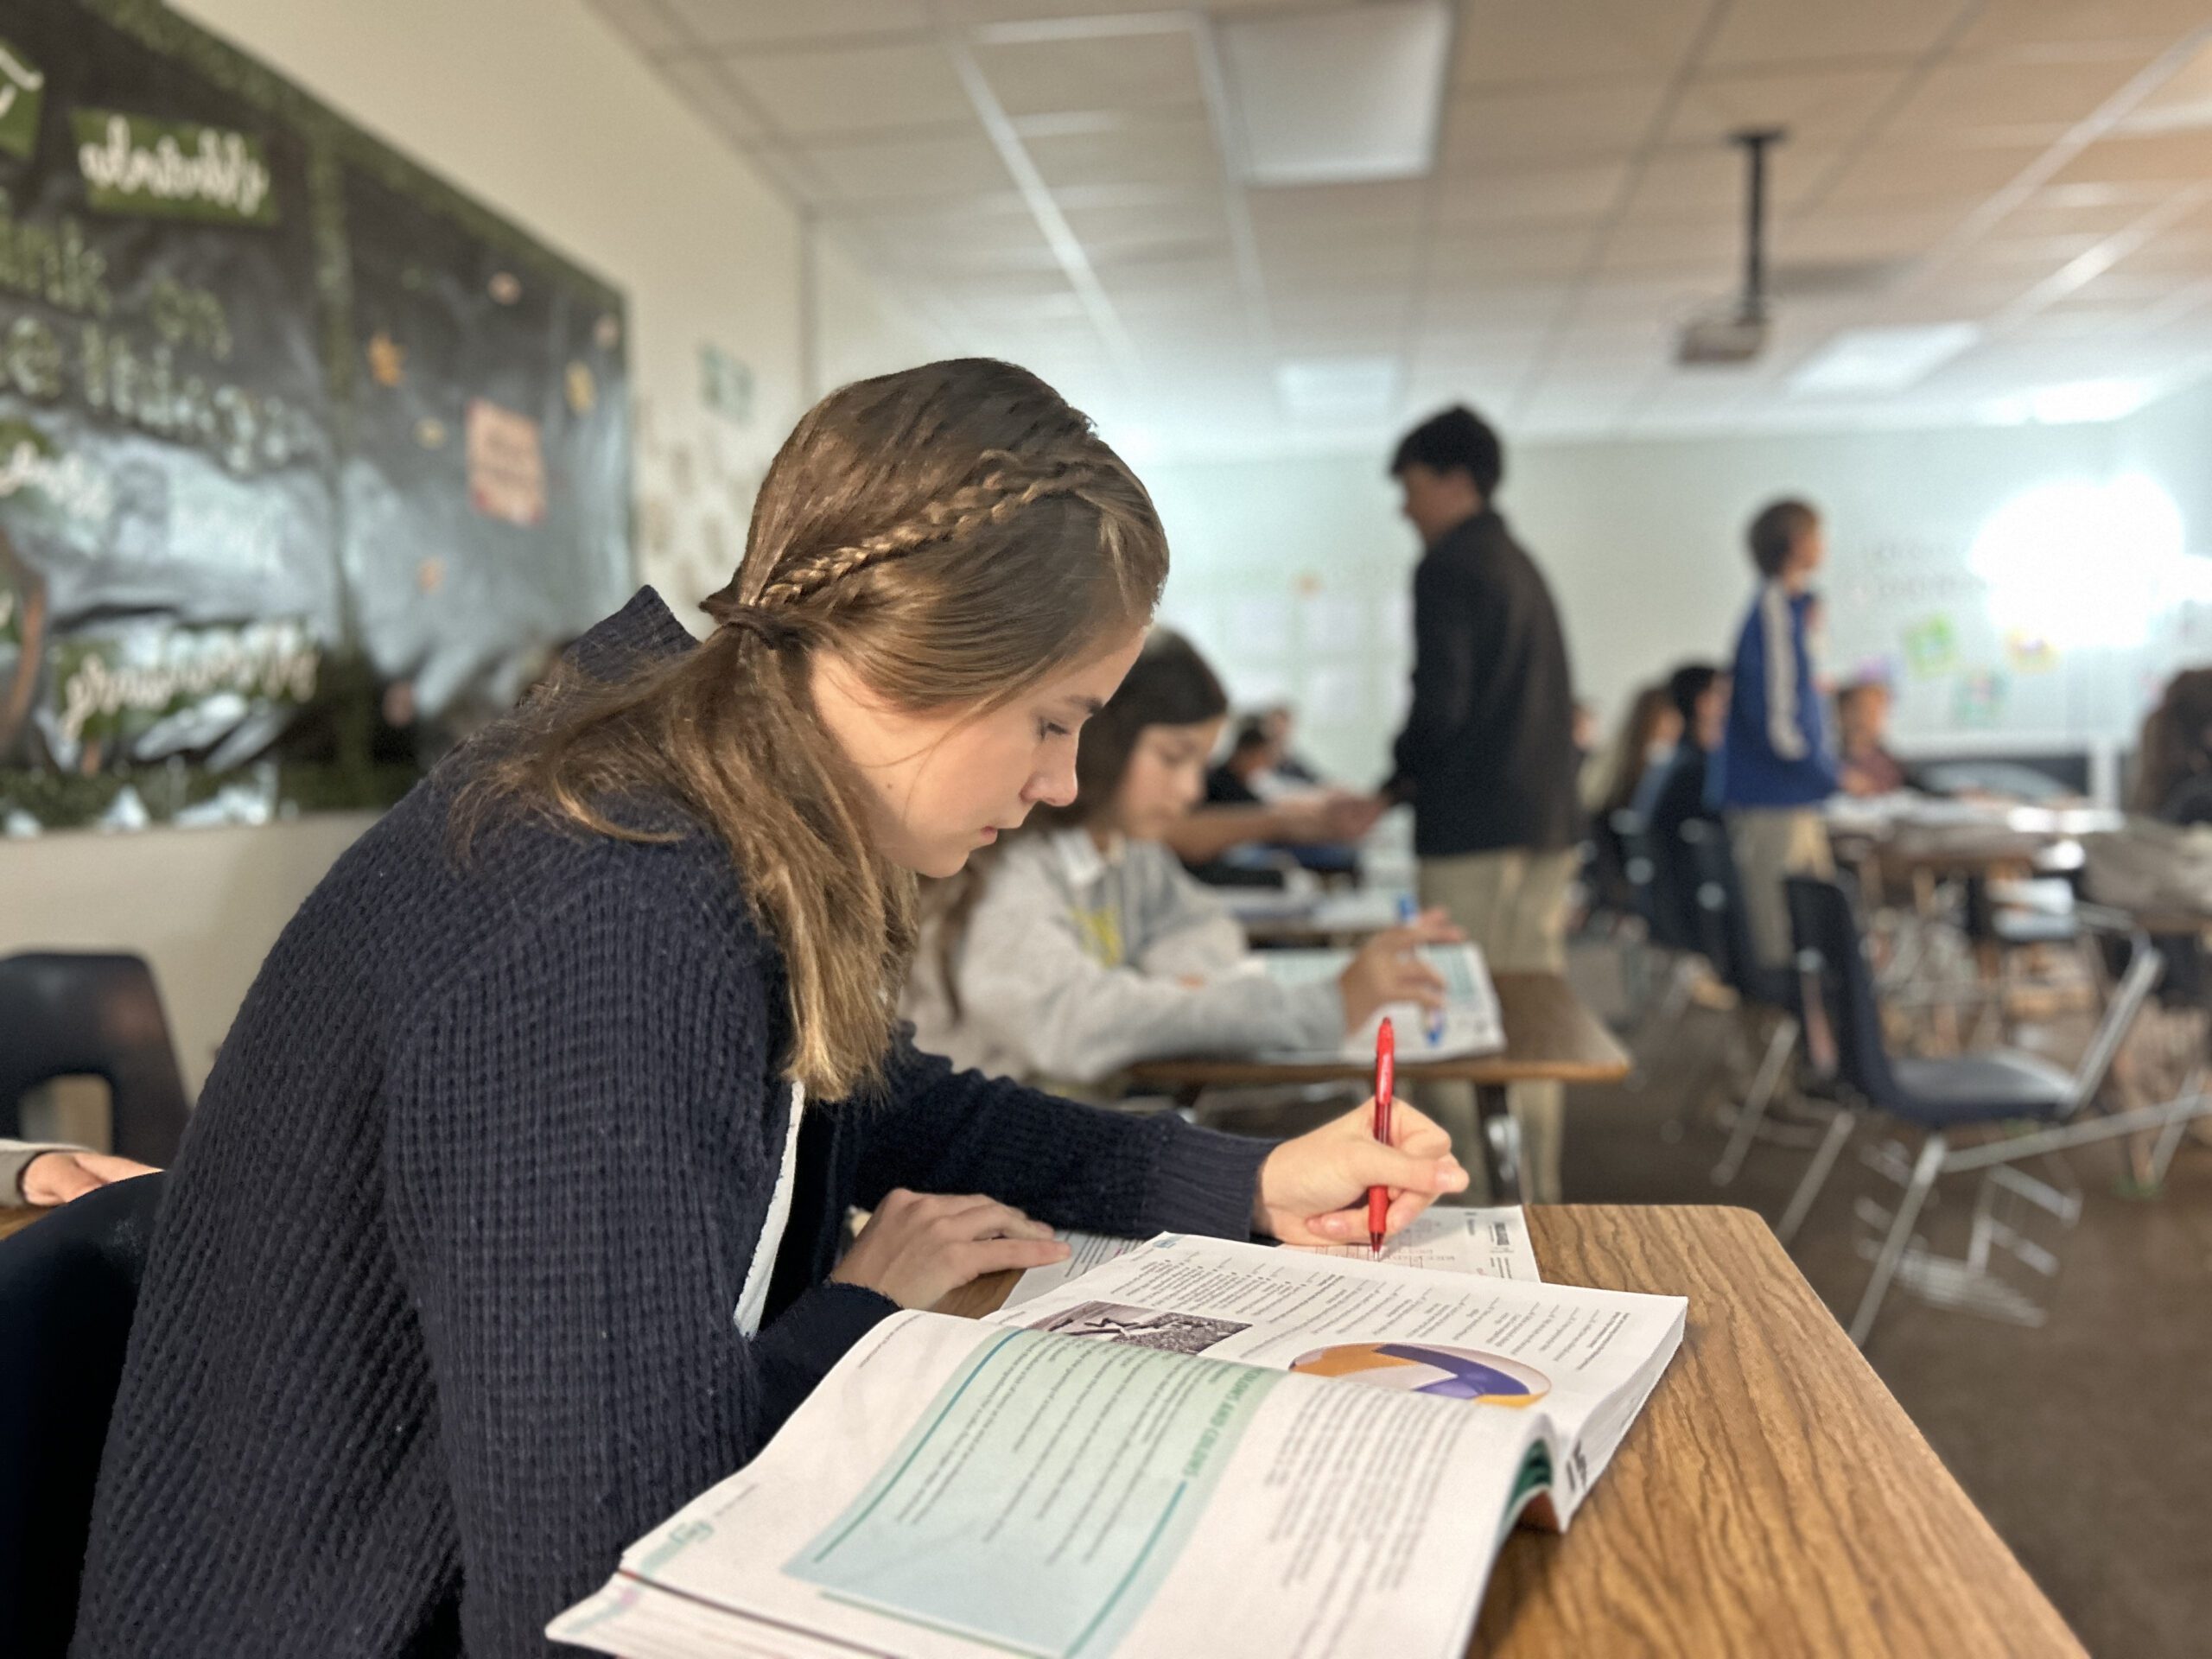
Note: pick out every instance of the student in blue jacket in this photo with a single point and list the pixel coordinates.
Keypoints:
(513, 1215)
(1777, 762)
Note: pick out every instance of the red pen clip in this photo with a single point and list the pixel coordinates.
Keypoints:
(1385, 1069)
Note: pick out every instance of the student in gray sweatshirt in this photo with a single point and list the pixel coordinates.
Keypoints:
(1082, 945)
(41, 1172)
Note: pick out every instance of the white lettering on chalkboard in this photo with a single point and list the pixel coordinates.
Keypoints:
(221, 171)
(73, 487)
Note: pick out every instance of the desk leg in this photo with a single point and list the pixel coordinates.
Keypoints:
(1501, 1133)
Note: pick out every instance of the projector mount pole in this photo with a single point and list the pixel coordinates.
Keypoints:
(1755, 142)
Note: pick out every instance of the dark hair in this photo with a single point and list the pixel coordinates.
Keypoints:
(1169, 685)
(1774, 533)
(2173, 747)
(1251, 733)
(1686, 684)
(1458, 440)
(956, 533)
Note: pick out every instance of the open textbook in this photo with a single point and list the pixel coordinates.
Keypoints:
(1199, 1448)
(1493, 1243)
(1469, 1022)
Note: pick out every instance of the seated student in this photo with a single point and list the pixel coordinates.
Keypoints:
(1247, 775)
(2173, 778)
(1282, 720)
(1646, 740)
(510, 1217)
(1674, 793)
(43, 1173)
(1864, 764)
(1082, 946)
(1776, 764)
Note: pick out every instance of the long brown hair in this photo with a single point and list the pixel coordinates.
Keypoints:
(956, 533)
(2177, 739)
(1631, 751)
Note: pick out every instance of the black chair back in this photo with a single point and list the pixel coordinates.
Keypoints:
(1669, 905)
(66, 1015)
(68, 1289)
(1830, 953)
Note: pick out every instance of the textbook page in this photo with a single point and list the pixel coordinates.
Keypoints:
(1589, 1358)
(1469, 1022)
(954, 1488)
(1493, 1243)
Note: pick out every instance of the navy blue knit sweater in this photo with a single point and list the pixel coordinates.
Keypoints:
(439, 1314)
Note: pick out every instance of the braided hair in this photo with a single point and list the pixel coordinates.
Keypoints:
(954, 534)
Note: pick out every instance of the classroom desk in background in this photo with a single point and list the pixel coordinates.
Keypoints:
(1550, 1036)
(15, 1218)
(1772, 1498)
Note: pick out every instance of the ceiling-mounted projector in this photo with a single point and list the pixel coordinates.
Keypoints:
(1739, 335)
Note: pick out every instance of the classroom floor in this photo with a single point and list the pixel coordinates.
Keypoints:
(2088, 1442)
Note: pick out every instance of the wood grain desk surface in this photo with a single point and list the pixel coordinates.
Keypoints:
(1549, 1034)
(15, 1218)
(1772, 1498)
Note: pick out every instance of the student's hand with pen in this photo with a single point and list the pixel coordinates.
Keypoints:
(1313, 1190)
(918, 1247)
(1386, 970)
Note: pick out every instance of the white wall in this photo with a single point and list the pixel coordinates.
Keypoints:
(536, 108)
(1291, 573)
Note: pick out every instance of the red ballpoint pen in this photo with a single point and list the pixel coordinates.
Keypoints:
(1386, 1067)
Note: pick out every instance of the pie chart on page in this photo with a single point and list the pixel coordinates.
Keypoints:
(1430, 1368)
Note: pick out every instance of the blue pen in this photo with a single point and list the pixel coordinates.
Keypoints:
(1406, 914)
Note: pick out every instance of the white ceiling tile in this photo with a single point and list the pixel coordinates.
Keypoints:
(1833, 232)
(1134, 72)
(1899, 175)
(1819, 107)
(1999, 24)
(1516, 251)
(1802, 31)
(1336, 207)
(2146, 158)
(1502, 41)
(2049, 95)
(819, 92)
(1486, 130)
(1536, 193)
(753, 22)
(908, 169)
(1171, 151)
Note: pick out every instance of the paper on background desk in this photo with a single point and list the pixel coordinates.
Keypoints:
(1491, 1243)
(1471, 1021)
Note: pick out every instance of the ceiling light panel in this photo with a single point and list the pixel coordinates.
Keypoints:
(1336, 97)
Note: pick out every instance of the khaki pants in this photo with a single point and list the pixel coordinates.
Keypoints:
(1770, 844)
(1513, 904)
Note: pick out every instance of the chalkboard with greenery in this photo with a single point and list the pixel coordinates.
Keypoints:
(308, 461)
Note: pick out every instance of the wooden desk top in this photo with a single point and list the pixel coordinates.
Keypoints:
(1772, 1498)
(1549, 1034)
(15, 1218)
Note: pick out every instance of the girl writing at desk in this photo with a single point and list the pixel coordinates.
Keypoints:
(1083, 946)
(510, 1218)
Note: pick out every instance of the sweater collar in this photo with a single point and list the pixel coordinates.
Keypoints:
(1079, 855)
(643, 630)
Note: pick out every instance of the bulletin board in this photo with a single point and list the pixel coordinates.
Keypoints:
(308, 461)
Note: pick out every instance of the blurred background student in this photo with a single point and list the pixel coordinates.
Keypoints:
(44, 1174)
(1777, 763)
(1487, 754)
(1081, 945)
(1864, 763)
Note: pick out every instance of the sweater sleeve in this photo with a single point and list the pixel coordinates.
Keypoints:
(1028, 981)
(1105, 1171)
(582, 1146)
